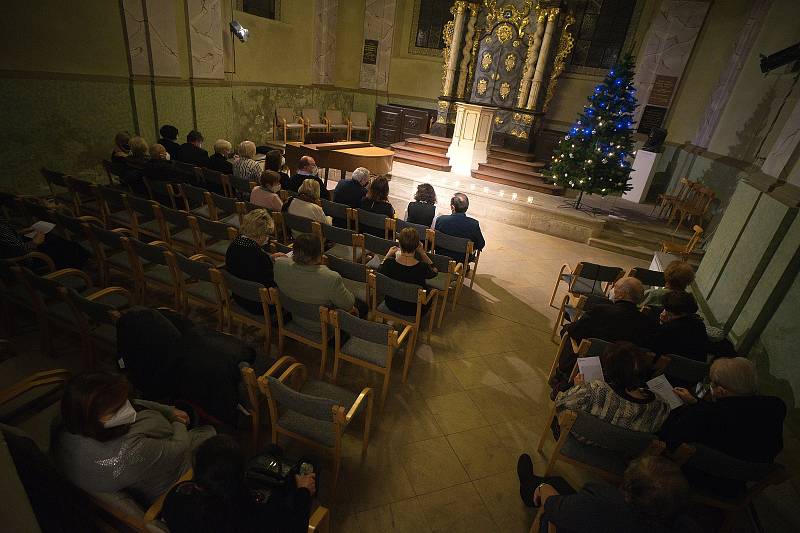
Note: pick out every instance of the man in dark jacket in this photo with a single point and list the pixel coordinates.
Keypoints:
(192, 152)
(682, 331)
(350, 191)
(458, 224)
(169, 140)
(307, 169)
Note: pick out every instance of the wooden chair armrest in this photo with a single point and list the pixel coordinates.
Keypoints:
(90, 219)
(111, 290)
(403, 334)
(160, 244)
(300, 120)
(432, 293)
(155, 509)
(277, 365)
(203, 258)
(365, 394)
(51, 266)
(293, 368)
(69, 272)
(560, 272)
(39, 379)
(319, 522)
(124, 231)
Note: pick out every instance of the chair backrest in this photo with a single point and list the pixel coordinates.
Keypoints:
(358, 118)
(334, 116)
(297, 223)
(47, 287)
(190, 267)
(195, 196)
(160, 190)
(595, 273)
(112, 199)
(334, 209)
(722, 465)
(96, 311)
(216, 178)
(82, 187)
(142, 206)
(74, 226)
(311, 116)
(305, 404)
(240, 187)
(650, 278)
(109, 238)
(337, 235)
(453, 244)
(690, 246)
(285, 113)
(386, 286)
(368, 219)
(613, 438)
(319, 137)
(216, 230)
(184, 171)
(347, 269)
(174, 217)
(593, 347)
(149, 252)
(53, 178)
(249, 290)
(363, 329)
(442, 262)
(304, 310)
(377, 245)
(401, 224)
(686, 370)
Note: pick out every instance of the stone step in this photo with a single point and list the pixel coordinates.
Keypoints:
(413, 156)
(511, 154)
(523, 181)
(644, 239)
(514, 164)
(405, 147)
(428, 146)
(523, 174)
(443, 141)
(659, 229)
(640, 252)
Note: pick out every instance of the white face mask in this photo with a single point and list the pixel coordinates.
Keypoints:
(283, 161)
(166, 156)
(124, 416)
(275, 188)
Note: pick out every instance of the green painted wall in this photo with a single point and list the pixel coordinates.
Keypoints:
(349, 44)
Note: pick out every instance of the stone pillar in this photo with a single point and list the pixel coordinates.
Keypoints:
(471, 137)
(454, 47)
(534, 45)
(466, 51)
(324, 60)
(378, 29)
(541, 62)
(785, 147)
(727, 80)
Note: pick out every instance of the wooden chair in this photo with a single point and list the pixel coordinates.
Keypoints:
(587, 279)
(240, 187)
(295, 225)
(359, 122)
(84, 196)
(143, 220)
(569, 311)
(97, 320)
(446, 280)
(354, 276)
(152, 268)
(286, 123)
(112, 254)
(667, 201)
(458, 246)
(76, 229)
(374, 249)
(370, 345)
(371, 223)
(649, 278)
(59, 189)
(340, 213)
(216, 181)
(312, 121)
(226, 210)
(313, 412)
(198, 284)
(380, 286)
(14, 294)
(317, 339)
(163, 192)
(252, 291)
(427, 236)
(212, 239)
(693, 206)
(684, 372)
(113, 211)
(586, 348)
(335, 122)
(342, 243)
(195, 200)
(108, 167)
(684, 251)
(176, 229)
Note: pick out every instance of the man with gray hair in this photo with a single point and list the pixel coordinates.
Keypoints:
(350, 191)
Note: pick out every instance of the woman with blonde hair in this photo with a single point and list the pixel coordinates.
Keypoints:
(133, 171)
(306, 204)
(245, 167)
(266, 193)
(248, 257)
(220, 161)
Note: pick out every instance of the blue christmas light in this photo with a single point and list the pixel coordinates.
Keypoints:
(587, 131)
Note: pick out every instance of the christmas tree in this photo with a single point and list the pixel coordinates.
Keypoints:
(593, 156)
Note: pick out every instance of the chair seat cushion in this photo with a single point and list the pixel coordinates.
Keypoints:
(121, 216)
(61, 312)
(317, 430)
(186, 236)
(219, 247)
(383, 308)
(17, 294)
(231, 220)
(316, 125)
(106, 334)
(440, 282)
(342, 251)
(151, 226)
(201, 211)
(293, 125)
(159, 273)
(366, 351)
(203, 290)
(590, 454)
(583, 286)
(312, 335)
(120, 260)
(358, 288)
(354, 127)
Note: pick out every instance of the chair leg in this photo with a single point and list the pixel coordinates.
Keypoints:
(409, 355)
(335, 368)
(432, 313)
(385, 391)
(442, 305)
(337, 463)
(367, 424)
(281, 343)
(324, 360)
(559, 319)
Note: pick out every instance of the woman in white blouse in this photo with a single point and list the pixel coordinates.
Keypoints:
(245, 167)
(306, 205)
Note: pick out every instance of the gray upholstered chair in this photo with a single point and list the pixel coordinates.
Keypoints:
(142, 218)
(354, 275)
(286, 125)
(337, 124)
(295, 225)
(112, 254)
(113, 211)
(312, 121)
(151, 268)
(369, 345)
(375, 249)
(85, 196)
(160, 191)
(595, 445)
(194, 200)
(649, 278)
(226, 210)
(372, 223)
(13, 293)
(97, 319)
(218, 180)
(197, 284)
(346, 244)
(314, 412)
(359, 123)
(380, 286)
(587, 279)
(427, 236)
(568, 311)
(446, 280)
(251, 291)
(340, 213)
(683, 371)
(212, 239)
(240, 187)
(443, 241)
(317, 338)
(175, 229)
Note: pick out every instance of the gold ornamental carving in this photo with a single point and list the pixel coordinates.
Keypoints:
(510, 62)
(473, 58)
(505, 89)
(482, 85)
(443, 105)
(498, 120)
(486, 61)
(565, 45)
(504, 32)
(520, 134)
(447, 36)
(519, 17)
(516, 43)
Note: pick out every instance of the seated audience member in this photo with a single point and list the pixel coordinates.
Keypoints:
(192, 152)
(169, 140)
(246, 257)
(677, 277)
(245, 167)
(304, 278)
(621, 399)
(351, 191)
(158, 166)
(458, 224)
(307, 169)
(64, 253)
(305, 204)
(737, 421)
(653, 498)
(423, 209)
(120, 153)
(134, 166)
(275, 162)
(377, 198)
(111, 443)
(410, 265)
(681, 331)
(266, 193)
(220, 160)
(218, 498)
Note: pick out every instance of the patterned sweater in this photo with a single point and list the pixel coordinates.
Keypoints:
(598, 399)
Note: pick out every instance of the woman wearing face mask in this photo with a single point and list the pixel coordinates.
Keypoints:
(107, 442)
(266, 194)
(120, 153)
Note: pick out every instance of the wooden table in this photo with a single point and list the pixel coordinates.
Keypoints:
(345, 156)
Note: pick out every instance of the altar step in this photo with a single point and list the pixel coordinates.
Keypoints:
(639, 240)
(531, 181)
(427, 151)
(505, 153)
(513, 164)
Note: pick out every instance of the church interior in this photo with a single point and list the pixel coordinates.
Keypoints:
(400, 265)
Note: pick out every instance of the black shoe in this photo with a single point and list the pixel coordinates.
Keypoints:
(527, 480)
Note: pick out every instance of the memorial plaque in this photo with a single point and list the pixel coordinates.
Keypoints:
(652, 117)
(370, 52)
(662, 91)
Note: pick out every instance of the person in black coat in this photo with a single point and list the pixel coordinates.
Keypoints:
(410, 264)
(274, 161)
(169, 140)
(351, 191)
(423, 209)
(377, 198)
(682, 331)
(219, 500)
(192, 152)
(158, 167)
(458, 224)
(737, 421)
(246, 257)
(135, 164)
(220, 160)
(307, 169)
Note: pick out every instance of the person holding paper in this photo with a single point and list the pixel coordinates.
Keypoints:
(64, 253)
(620, 399)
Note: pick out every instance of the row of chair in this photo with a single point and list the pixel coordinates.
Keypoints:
(691, 199)
(286, 122)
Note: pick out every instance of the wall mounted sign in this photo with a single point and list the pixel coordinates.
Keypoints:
(370, 52)
(652, 117)
(662, 91)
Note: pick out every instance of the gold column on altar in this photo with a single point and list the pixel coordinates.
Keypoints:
(541, 62)
(466, 52)
(452, 48)
(530, 61)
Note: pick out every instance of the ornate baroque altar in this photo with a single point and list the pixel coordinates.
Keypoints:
(508, 57)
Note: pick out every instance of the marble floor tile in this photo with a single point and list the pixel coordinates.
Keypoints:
(455, 412)
(431, 465)
(500, 403)
(473, 372)
(481, 452)
(457, 509)
(404, 516)
(500, 494)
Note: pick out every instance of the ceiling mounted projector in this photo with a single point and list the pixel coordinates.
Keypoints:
(239, 31)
